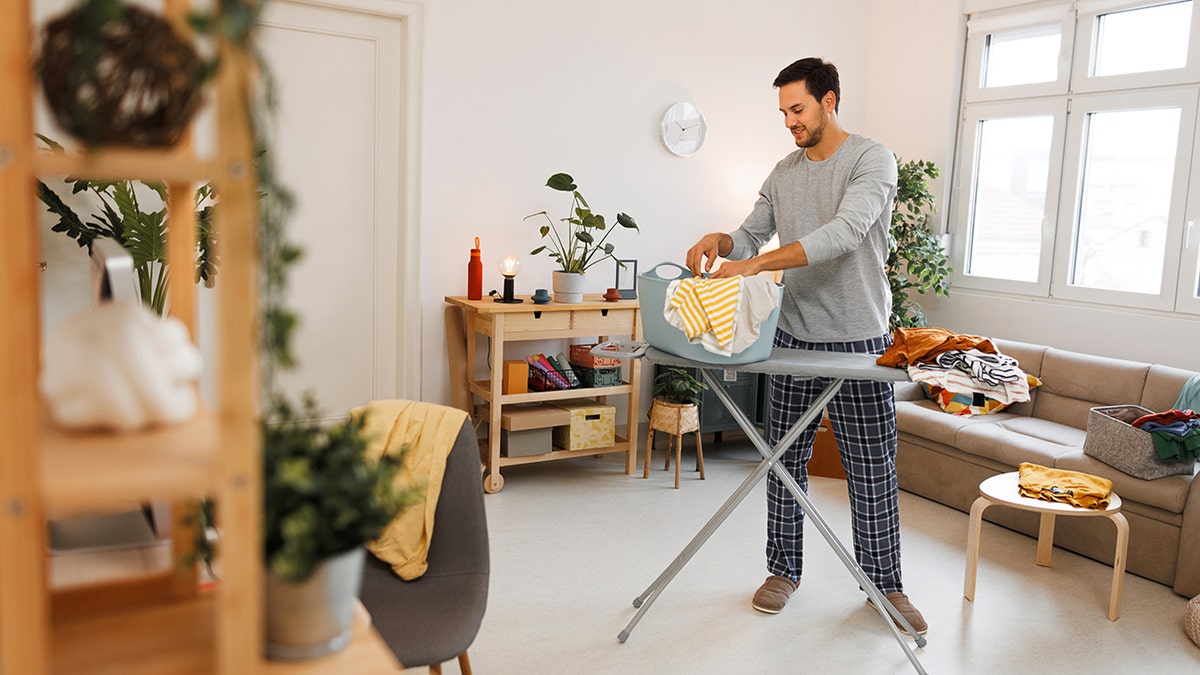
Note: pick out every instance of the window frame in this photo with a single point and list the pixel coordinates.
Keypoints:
(978, 32)
(1069, 99)
(1087, 24)
(1072, 185)
(968, 155)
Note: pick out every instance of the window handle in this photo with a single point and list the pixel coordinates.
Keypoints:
(1187, 237)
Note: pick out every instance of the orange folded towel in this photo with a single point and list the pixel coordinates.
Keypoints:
(1066, 487)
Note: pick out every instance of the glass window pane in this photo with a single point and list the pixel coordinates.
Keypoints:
(1143, 40)
(1026, 56)
(1120, 238)
(1009, 197)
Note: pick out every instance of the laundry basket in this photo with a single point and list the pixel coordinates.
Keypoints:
(662, 335)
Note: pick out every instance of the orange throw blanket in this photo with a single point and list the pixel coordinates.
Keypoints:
(1066, 487)
(911, 345)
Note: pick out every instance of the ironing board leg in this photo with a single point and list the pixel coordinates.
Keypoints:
(770, 461)
(643, 601)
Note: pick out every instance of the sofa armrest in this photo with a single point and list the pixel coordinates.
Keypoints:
(1187, 572)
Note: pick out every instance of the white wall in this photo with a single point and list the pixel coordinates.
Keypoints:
(517, 91)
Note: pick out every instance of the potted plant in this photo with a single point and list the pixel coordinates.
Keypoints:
(916, 259)
(675, 410)
(323, 499)
(120, 215)
(580, 244)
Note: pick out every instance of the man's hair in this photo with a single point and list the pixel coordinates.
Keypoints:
(819, 78)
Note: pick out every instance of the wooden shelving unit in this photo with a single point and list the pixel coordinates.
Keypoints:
(502, 323)
(161, 624)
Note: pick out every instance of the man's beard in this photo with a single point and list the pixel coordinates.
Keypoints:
(814, 135)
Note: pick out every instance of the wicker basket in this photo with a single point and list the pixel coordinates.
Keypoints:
(674, 418)
(1112, 440)
(1191, 620)
(124, 79)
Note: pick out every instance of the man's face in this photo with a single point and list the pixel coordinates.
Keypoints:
(803, 115)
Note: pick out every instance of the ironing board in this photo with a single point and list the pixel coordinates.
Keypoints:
(837, 367)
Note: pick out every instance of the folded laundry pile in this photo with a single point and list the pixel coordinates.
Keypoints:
(721, 315)
(1076, 488)
(964, 374)
(1175, 433)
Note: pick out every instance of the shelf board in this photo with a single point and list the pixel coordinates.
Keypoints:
(179, 637)
(622, 445)
(366, 653)
(166, 165)
(482, 388)
(172, 638)
(88, 472)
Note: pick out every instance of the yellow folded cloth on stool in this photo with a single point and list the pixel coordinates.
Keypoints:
(1066, 487)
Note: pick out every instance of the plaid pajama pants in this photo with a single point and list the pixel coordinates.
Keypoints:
(863, 417)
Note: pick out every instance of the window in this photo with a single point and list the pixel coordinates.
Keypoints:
(1074, 167)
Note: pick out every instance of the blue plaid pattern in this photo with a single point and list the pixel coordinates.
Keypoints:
(863, 417)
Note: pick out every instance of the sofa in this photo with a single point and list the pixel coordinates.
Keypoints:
(945, 457)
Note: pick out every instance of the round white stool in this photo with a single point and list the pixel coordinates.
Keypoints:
(1002, 489)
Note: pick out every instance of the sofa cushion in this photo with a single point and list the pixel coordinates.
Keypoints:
(1169, 493)
(1013, 439)
(1030, 359)
(1073, 383)
(1163, 384)
(925, 419)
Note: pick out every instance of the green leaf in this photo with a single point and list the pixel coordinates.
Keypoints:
(626, 221)
(561, 182)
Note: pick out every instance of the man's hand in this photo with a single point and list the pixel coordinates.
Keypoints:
(700, 258)
(733, 268)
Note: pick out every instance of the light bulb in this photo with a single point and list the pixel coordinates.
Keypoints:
(510, 265)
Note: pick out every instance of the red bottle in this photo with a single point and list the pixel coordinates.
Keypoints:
(475, 274)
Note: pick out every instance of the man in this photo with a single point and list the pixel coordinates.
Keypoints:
(830, 202)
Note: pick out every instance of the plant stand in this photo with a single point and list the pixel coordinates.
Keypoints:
(675, 419)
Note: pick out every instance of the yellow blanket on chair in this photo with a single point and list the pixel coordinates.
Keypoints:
(429, 431)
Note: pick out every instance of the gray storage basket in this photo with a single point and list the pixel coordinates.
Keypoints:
(1112, 439)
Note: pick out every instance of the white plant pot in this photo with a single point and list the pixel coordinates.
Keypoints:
(313, 618)
(568, 287)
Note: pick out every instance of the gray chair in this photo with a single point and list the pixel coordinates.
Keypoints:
(435, 618)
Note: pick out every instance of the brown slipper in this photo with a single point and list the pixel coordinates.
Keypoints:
(773, 594)
(902, 604)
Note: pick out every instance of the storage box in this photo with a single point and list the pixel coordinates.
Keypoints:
(662, 335)
(525, 428)
(515, 377)
(524, 443)
(581, 356)
(591, 426)
(527, 416)
(1112, 439)
(599, 377)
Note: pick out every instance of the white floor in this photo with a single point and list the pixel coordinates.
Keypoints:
(574, 542)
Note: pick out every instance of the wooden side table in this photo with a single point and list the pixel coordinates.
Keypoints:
(1002, 489)
(498, 324)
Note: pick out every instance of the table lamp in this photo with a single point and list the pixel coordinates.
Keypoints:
(509, 266)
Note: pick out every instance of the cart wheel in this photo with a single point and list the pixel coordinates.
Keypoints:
(487, 484)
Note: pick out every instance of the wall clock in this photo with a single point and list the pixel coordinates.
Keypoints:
(682, 129)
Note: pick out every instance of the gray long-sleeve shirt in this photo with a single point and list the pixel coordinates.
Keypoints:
(840, 210)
